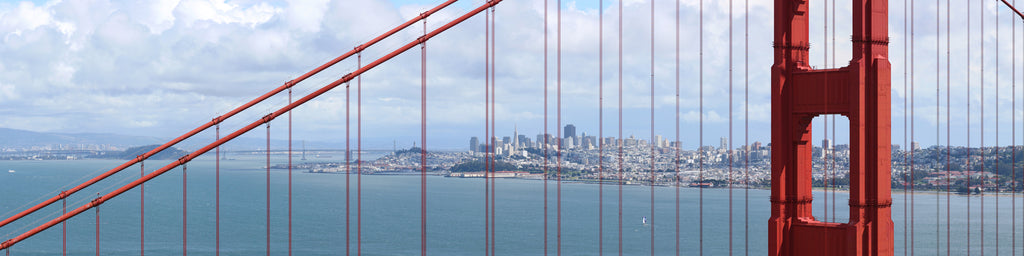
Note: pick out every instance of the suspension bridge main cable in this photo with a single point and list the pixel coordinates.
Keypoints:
(264, 120)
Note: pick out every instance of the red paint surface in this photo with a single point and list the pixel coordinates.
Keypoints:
(860, 92)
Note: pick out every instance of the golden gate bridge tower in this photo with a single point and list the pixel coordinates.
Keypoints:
(860, 92)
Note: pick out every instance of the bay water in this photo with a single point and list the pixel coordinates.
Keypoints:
(390, 214)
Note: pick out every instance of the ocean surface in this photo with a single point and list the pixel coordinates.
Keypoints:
(390, 214)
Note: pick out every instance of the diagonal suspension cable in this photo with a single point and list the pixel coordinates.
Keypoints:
(249, 127)
(219, 119)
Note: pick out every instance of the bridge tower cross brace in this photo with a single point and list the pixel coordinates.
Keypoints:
(859, 91)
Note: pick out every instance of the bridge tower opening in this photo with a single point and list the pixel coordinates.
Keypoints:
(860, 92)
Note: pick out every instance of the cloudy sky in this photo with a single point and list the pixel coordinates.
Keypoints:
(163, 67)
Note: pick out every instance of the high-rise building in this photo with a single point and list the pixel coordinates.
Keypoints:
(915, 146)
(725, 143)
(658, 141)
(826, 144)
(515, 137)
(569, 131)
(474, 144)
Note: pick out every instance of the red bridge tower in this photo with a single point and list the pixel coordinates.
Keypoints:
(860, 92)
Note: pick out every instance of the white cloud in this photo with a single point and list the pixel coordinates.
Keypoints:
(169, 65)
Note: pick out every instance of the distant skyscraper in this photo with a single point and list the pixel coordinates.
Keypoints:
(474, 144)
(725, 143)
(826, 144)
(915, 146)
(658, 141)
(570, 131)
(515, 137)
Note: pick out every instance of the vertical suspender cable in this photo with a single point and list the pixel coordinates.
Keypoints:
(64, 229)
(700, 148)
(969, 169)
(348, 170)
(995, 150)
(97, 231)
(142, 213)
(653, 143)
(746, 126)
(217, 195)
(558, 130)
(1013, 135)
(494, 105)
(675, 173)
(487, 135)
(912, 137)
(833, 148)
(546, 136)
(949, 148)
(359, 157)
(268, 189)
(184, 209)
(981, 120)
(620, 140)
(938, 72)
(423, 143)
(290, 172)
(600, 127)
(906, 200)
(824, 118)
(729, 150)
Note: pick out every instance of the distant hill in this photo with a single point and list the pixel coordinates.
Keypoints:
(170, 153)
(23, 138)
(14, 138)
